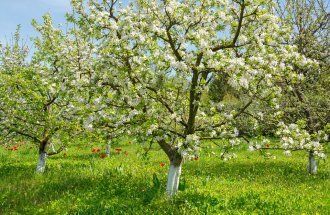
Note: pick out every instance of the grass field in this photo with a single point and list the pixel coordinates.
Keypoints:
(128, 183)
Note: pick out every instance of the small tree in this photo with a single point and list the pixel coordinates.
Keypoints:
(36, 94)
(307, 96)
(305, 103)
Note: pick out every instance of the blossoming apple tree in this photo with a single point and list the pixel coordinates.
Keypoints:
(305, 104)
(162, 56)
(36, 94)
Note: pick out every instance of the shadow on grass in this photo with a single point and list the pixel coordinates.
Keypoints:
(250, 202)
(17, 170)
(110, 191)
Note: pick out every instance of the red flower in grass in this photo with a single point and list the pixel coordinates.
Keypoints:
(14, 148)
(118, 150)
(267, 145)
(162, 164)
(96, 150)
(103, 155)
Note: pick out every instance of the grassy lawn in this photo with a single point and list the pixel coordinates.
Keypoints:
(129, 183)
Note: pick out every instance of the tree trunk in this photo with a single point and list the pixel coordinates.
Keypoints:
(312, 163)
(173, 178)
(42, 162)
(174, 172)
(107, 149)
(42, 156)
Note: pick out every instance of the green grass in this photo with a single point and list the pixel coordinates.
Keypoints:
(83, 183)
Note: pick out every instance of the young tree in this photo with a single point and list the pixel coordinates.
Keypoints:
(36, 94)
(308, 100)
(305, 102)
(162, 56)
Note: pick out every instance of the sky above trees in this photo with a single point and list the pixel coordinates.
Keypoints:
(15, 12)
(21, 12)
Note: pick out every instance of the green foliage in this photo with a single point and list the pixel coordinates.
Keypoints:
(219, 88)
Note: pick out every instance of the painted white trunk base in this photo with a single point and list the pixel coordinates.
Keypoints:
(107, 149)
(312, 164)
(173, 179)
(42, 162)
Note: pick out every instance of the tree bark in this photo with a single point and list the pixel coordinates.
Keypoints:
(173, 179)
(42, 156)
(107, 149)
(174, 172)
(41, 162)
(312, 163)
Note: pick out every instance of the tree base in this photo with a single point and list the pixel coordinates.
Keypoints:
(42, 162)
(173, 179)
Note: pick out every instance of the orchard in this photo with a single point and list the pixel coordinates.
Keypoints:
(168, 107)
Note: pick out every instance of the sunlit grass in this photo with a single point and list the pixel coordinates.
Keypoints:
(131, 183)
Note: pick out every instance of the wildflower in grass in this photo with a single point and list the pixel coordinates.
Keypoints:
(162, 164)
(267, 145)
(118, 150)
(14, 148)
(196, 158)
(96, 150)
(126, 153)
(103, 155)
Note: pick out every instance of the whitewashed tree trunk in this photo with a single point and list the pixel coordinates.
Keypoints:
(312, 163)
(173, 179)
(42, 162)
(107, 149)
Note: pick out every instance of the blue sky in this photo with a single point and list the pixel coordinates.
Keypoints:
(14, 12)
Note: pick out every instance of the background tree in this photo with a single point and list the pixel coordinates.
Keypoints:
(305, 102)
(308, 99)
(36, 93)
